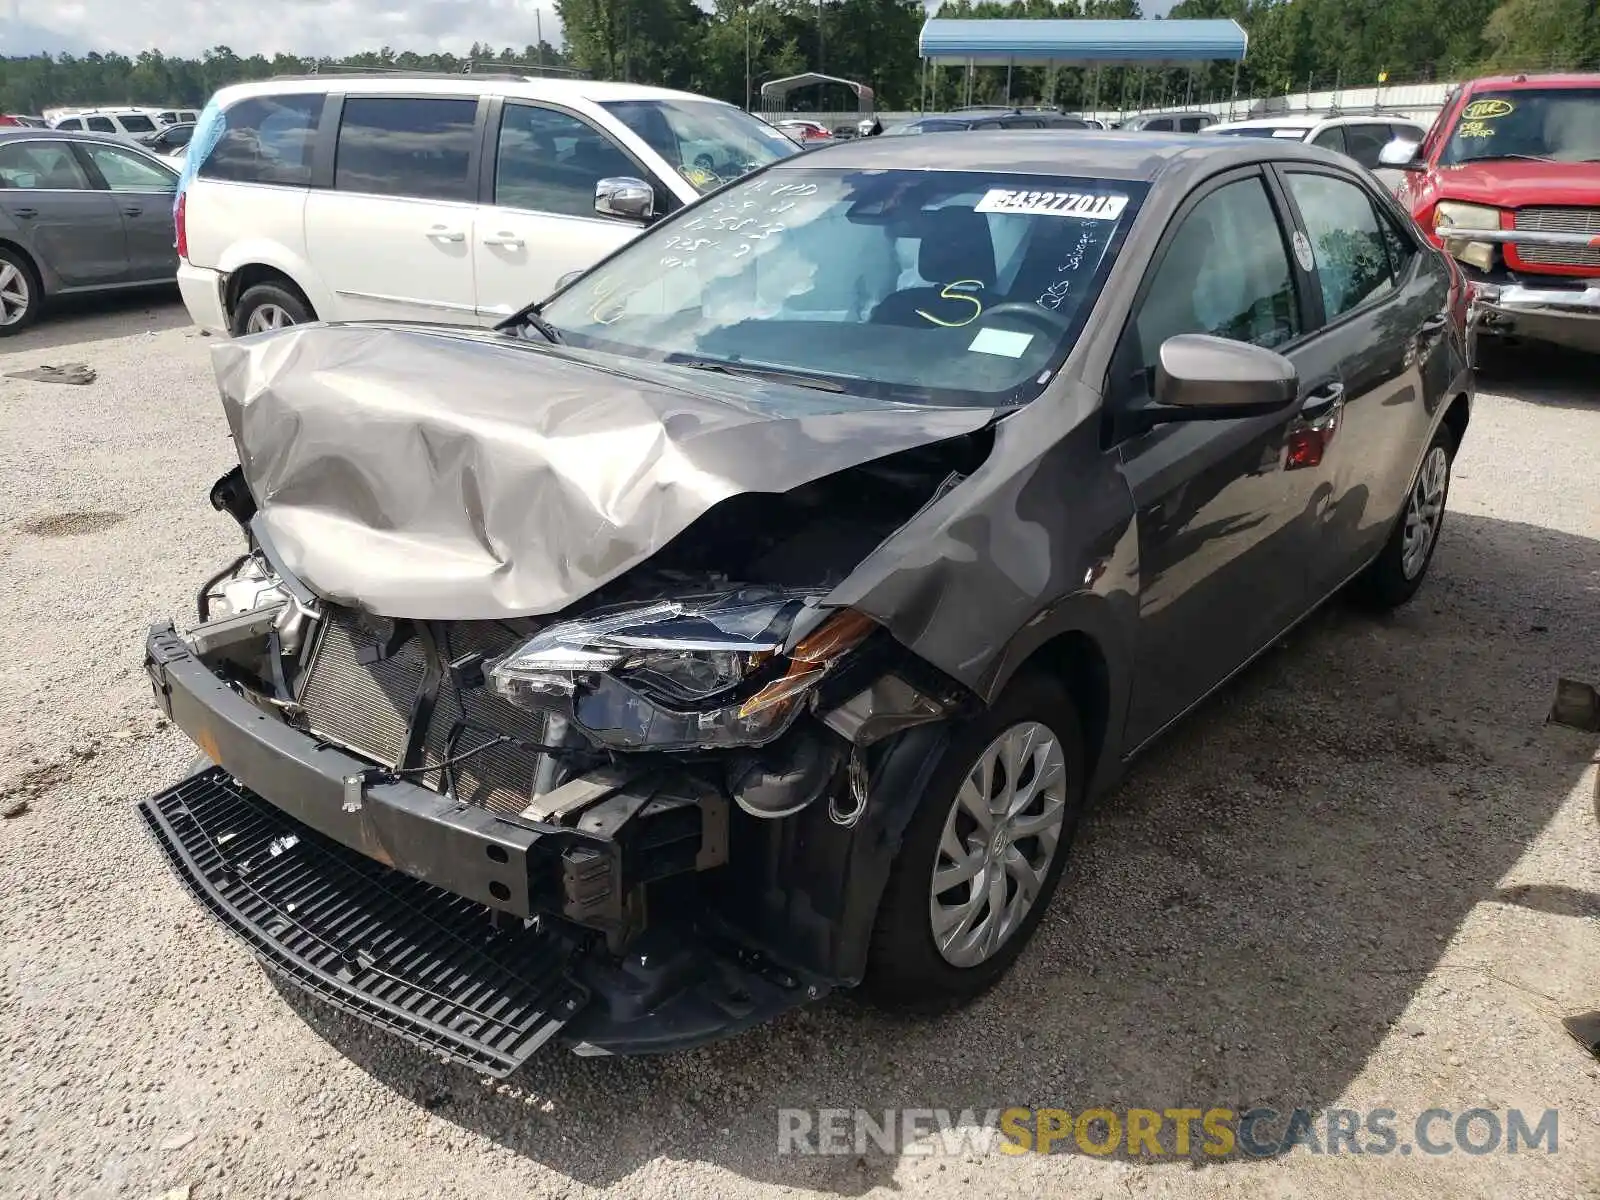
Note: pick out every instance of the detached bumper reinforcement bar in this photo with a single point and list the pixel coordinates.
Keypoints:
(392, 950)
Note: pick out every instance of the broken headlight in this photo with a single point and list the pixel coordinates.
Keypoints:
(702, 672)
(1450, 216)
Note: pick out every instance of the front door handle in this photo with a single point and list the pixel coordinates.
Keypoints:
(26, 214)
(509, 240)
(1322, 403)
(133, 210)
(443, 233)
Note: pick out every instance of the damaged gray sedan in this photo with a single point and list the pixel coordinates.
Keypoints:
(755, 617)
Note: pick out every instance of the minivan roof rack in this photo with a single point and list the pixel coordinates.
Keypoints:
(381, 73)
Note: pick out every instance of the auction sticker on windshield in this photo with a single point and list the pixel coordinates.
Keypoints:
(1485, 110)
(1056, 204)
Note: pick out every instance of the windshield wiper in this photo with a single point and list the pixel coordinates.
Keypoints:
(815, 382)
(546, 330)
(1523, 157)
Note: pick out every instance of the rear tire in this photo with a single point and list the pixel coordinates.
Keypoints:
(1398, 571)
(1034, 724)
(268, 306)
(21, 294)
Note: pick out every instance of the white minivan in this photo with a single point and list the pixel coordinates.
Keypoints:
(456, 199)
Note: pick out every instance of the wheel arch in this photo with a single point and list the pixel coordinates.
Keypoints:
(246, 277)
(1080, 644)
(46, 279)
(1457, 416)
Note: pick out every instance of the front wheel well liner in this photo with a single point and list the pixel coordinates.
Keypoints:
(246, 277)
(1457, 416)
(1077, 660)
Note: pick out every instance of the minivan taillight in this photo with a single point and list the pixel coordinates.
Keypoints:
(182, 226)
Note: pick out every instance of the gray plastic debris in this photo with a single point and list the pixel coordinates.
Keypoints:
(1576, 705)
(73, 373)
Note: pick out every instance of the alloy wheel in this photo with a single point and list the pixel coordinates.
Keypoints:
(15, 295)
(1424, 511)
(268, 316)
(999, 840)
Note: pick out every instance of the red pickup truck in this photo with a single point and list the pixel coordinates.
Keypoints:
(1508, 181)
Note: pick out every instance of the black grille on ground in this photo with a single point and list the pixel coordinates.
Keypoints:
(499, 779)
(399, 953)
(364, 706)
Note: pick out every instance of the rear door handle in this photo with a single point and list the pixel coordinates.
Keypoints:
(26, 214)
(133, 210)
(509, 240)
(443, 233)
(1436, 322)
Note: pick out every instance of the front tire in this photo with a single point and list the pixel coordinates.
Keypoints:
(268, 306)
(983, 853)
(1398, 571)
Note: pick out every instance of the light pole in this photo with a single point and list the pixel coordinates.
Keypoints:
(747, 5)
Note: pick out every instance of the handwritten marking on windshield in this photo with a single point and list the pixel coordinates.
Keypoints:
(950, 292)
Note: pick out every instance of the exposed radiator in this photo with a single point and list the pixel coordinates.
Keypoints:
(363, 706)
(367, 706)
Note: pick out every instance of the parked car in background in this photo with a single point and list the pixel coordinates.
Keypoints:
(130, 123)
(177, 116)
(968, 120)
(13, 120)
(807, 133)
(79, 213)
(1361, 137)
(757, 616)
(1508, 179)
(1187, 121)
(169, 140)
(451, 199)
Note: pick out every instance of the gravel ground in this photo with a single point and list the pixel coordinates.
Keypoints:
(1365, 876)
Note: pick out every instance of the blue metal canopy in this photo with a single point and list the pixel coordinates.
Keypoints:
(1042, 42)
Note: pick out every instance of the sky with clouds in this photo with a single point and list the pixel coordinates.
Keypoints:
(187, 27)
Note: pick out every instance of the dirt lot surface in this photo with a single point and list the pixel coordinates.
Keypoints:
(1367, 876)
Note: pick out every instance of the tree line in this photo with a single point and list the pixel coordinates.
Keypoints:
(740, 44)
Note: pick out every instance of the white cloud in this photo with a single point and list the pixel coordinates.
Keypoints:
(188, 27)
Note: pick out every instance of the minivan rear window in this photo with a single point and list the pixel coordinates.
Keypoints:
(137, 123)
(266, 139)
(406, 146)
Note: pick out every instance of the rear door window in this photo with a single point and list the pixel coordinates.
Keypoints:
(102, 125)
(1163, 124)
(1192, 124)
(419, 147)
(125, 171)
(266, 139)
(137, 123)
(1331, 138)
(44, 166)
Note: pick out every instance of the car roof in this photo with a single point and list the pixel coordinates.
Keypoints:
(591, 90)
(1085, 152)
(1506, 83)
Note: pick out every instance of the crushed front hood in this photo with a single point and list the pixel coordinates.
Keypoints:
(456, 474)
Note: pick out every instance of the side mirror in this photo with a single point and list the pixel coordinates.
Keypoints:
(630, 199)
(1402, 154)
(1204, 378)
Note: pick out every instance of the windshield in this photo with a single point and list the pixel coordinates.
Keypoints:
(1297, 132)
(1558, 124)
(938, 287)
(135, 123)
(708, 143)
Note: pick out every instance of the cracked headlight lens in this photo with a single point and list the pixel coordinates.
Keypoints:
(693, 673)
